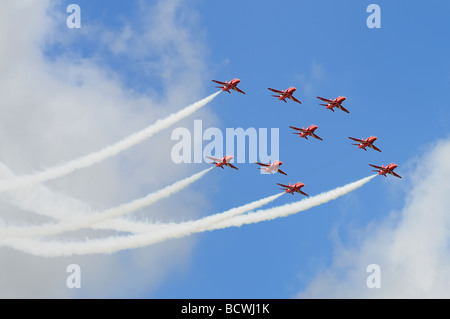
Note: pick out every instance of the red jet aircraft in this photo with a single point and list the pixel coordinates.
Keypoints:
(295, 188)
(334, 103)
(220, 162)
(269, 168)
(368, 142)
(308, 131)
(282, 95)
(383, 170)
(226, 86)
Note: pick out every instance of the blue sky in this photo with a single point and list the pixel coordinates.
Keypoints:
(396, 80)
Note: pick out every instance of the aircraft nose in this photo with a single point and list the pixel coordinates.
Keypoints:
(280, 162)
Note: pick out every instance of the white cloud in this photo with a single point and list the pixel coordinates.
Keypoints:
(309, 81)
(411, 246)
(54, 111)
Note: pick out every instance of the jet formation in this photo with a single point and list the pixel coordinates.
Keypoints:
(274, 167)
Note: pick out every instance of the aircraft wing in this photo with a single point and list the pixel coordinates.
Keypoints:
(238, 89)
(396, 175)
(323, 99)
(301, 192)
(262, 164)
(214, 159)
(316, 136)
(287, 186)
(356, 140)
(298, 129)
(342, 108)
(294, 99)
(221, 83)
(280, 171)
(276, 91)
(374, 147)
(378, 167)
(232, 166)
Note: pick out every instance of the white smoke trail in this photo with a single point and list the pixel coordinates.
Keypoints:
(114, 244)
(43, 201)
(106, 152)
(142, 227)
(89, 220)
(263, 215)
(293, 208)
